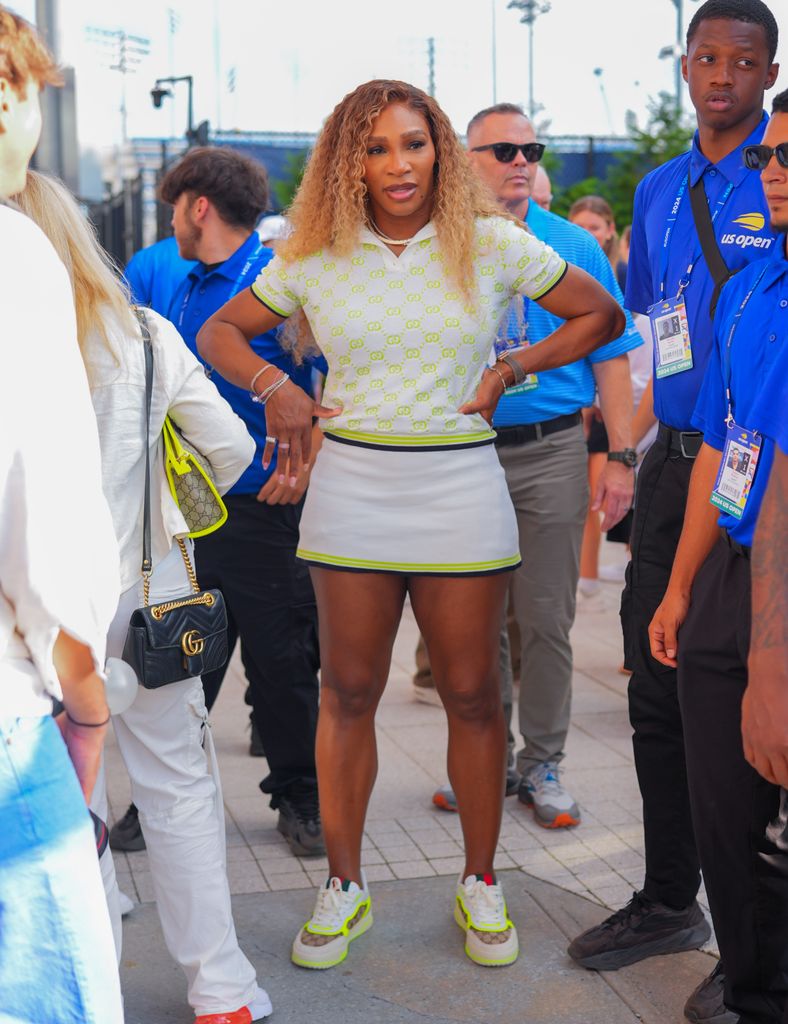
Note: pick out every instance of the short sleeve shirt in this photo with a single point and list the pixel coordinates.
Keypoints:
(565, 389)
(743, 235)
(757, 346)
(405, 348)
(770, 411)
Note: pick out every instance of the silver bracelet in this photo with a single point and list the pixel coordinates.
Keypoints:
(275, 387)
(253, 381)
(266, 393)
(517, 370)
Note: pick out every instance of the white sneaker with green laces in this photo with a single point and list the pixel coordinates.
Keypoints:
(480, 910)
(342, 913)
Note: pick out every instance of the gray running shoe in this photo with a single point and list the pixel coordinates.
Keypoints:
(541, 788)
(445, 799)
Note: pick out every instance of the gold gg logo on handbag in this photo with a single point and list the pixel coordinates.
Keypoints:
(192, 643)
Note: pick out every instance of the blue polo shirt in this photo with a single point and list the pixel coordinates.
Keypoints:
(760, 341)
(155, 272)
(770, 412)
(196, 298)
(742, 232)
(568, 388)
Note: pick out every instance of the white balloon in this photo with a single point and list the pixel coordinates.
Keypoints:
(121, 685)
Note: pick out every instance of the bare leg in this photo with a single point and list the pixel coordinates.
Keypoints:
(592, 535)
(358, 615)
(460, 620)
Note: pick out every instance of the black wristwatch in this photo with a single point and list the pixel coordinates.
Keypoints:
(629, 457)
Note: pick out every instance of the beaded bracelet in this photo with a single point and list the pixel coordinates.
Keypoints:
(87, 725)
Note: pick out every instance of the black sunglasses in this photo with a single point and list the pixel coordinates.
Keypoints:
(758, 157)
(505, 152)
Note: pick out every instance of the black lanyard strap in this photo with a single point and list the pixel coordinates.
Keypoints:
(718, 268)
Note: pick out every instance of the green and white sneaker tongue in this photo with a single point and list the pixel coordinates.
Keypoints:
(344, 884)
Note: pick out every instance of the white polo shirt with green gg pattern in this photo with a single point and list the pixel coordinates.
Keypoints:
(404, 348)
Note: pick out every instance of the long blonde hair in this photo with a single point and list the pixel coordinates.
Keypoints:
(95, 280)
(330, 206)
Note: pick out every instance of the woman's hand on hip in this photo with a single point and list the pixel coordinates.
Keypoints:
(489, 391)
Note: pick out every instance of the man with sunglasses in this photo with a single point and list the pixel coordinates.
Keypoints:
(744, 860)
(698, 219)
(543, 452)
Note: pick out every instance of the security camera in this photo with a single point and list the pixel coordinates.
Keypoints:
(157, 95)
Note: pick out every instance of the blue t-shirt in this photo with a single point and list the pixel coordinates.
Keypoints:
(759, 345)
(567, 388)
(155, 272)
(742, 232)
(199, 295)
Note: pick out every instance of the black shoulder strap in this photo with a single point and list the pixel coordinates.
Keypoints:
(718, 268)
(148, 346)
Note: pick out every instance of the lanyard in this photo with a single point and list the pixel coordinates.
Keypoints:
(237, 285)
(729, 342)
(671, 223)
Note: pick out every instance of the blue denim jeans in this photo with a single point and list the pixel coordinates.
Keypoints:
(57, 959)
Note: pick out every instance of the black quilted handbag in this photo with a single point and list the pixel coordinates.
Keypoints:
(186, 636)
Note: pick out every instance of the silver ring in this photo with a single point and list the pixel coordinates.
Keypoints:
(284, 445)
(269, 439)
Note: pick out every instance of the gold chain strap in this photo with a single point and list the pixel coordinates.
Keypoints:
(164, 608)
(189, 567)
(160, 610)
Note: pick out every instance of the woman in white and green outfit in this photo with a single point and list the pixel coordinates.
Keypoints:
(403, 268)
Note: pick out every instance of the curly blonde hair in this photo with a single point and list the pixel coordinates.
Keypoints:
(331, 204)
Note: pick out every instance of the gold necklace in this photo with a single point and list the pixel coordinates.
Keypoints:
(385, 238)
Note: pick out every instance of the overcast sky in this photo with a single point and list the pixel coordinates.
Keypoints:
(291, 61)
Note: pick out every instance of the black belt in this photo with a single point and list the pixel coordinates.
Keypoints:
(534, 431)
(735, 546)
(680, 442)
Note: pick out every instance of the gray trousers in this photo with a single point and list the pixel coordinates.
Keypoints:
(548, 483)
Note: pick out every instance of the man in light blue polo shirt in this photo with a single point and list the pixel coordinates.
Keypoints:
(708, 600)
(542, 449)
(731, 45)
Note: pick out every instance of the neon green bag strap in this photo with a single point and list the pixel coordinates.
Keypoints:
(175, 455)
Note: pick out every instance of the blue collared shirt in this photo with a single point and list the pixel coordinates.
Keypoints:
(571, 387)
(742, 231)
(770, 412)
(155, 272)
(199, 295)
(760, 342)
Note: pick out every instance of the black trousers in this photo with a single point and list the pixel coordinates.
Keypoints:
(745, 871)
(672, 870)
(271, 608)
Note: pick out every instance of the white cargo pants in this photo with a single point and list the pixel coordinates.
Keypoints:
(166, 743)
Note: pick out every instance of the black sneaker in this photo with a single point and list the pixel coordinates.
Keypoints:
(706, 1004)
(299, 819)
(126, 836)
(641, 929)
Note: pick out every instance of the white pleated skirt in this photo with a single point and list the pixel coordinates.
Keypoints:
(409, 511)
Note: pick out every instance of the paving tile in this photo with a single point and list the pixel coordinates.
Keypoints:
(296, 880)
(378, 873)
(447, 848)
(245, 877)
(448, 865)
(412, 869)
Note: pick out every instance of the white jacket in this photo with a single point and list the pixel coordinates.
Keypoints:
(180, 389)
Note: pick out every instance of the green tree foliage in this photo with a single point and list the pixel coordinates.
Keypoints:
(285, 188)
(665, 135)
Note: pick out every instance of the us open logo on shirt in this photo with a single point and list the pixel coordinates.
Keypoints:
(751, 222)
